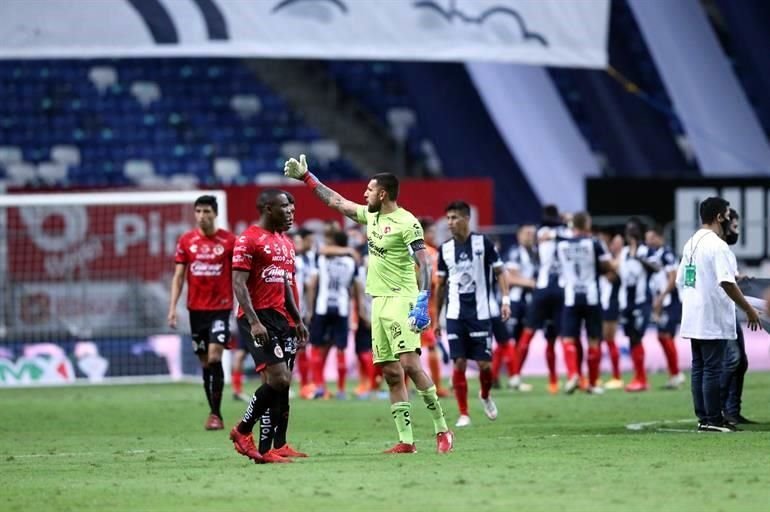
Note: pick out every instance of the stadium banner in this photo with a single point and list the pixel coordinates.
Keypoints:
(424, 198)
(541, 32)
(53, 363)
(674, 204)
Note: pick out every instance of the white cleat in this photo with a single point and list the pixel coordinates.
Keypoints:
(490, 409)
(614, 384)
(463, 421)
(515, 383)
(571, 385)
(596, 390)
(676, 381)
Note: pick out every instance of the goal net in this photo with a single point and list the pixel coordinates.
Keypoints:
(84, 286)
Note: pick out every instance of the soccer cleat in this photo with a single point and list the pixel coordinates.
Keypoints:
(340, 395)
(286, 451)
(572, 384)
(553, 388)
(596, 390)
(445, 442)
(272, 457)
(723, 428)
(442, 392)
(463, 421)
(244, 444)
(583, 384)
(307, 391)
(515, 383)
(321, 394)
(742, 420)
(614, 384)
(402, 448)
(636, 386)
(490, 409)
(676, 381)
(214, 422)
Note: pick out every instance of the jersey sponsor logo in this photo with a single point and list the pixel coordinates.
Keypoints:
(377, 250)
(193, 248)
(273, 274)
(200, 269)
(242, 258)
(218, 326)
(395, 330)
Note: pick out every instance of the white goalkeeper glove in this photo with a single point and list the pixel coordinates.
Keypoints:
(294, 169)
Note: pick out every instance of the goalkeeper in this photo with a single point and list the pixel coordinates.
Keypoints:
(399, 308)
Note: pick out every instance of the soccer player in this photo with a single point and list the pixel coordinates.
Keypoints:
(332, 287)
(545, 310)
(428, 337)
(262, 258)
(304, 261)
(399, 307)
(635, 299)
(667, 310)
(609, 290)
(521, 268)
(582, 259)
(466, 263)
(203, 258)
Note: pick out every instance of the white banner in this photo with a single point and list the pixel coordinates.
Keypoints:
(543, 32)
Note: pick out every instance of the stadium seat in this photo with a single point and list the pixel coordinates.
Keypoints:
(227, 169)
(137, 170)
(66, 154)
(183, 181)
(52, 173)
(325, 150)
(245, 105)
(10, 155)
(401, 120)
(103, 77)
(145, 92)
(20, 174)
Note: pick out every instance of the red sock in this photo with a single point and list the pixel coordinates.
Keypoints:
(365, 368)
(522, 347)
(594, 358)
(669, 349)
(550, 359)
(614, 358)
(579, 351)
(319, 361)
(570, 358)
(497, 360)
(434, 363)
(460, 386)
(342, 370)
(511, 357)
(237, 382)
(637, 356)
(485, 378)
(303, 367)
(376, 375)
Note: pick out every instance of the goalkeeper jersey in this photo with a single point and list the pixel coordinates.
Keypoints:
(391, 266)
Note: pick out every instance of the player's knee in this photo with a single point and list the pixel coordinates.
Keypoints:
(484, 365)
(392, 374)
(460, 365)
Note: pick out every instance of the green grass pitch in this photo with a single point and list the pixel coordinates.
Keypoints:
(137, 448)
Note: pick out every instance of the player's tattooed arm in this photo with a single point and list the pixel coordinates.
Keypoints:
(334, 200)
(424, 266)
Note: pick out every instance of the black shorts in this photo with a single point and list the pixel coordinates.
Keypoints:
(281, 346)
(500, 330)
(209, 327)
(469, 339)
(363, 339)
(517, 320)
(612, 313)
(573, 317)
(635, 319)
(545, 309)
(670, 317)
(329, 329)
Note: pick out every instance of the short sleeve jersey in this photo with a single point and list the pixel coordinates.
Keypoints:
(391, 266)
(264, 254)
(209, 275)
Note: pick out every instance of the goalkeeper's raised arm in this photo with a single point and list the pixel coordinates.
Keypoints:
(298, 170)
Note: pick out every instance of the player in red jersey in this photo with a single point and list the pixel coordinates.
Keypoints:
(263, 287)
(204, 257)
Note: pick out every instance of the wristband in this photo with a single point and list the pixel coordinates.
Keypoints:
(310, 180)
(506, 300)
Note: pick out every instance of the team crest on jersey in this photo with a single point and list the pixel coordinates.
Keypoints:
(278, 352)
(193, 248)
(219, 250)
(463, 256)
(395, 330)
(386, 229)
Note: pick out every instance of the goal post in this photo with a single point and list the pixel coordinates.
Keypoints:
(85, 286)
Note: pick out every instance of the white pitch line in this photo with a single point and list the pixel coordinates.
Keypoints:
(93, 454)
(644, 424)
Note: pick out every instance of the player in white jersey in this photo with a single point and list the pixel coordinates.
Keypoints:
(333, 286)
(609, 289)
(521, 266)
(545, 310)
(582, 259)
(667, 310)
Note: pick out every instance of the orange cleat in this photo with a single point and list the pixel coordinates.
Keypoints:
(553, 388)
(214, 422)
(244, 444)
(442, 392)
(307, 392)
(636, 386)
(287, 451)
(272, 457)
(445, 442)
(402, 448)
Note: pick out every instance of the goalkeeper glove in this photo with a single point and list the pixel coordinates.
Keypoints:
(294, 169)
(419, 319)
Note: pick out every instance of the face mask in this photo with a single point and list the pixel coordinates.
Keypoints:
(726, 227)
(731, 237)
